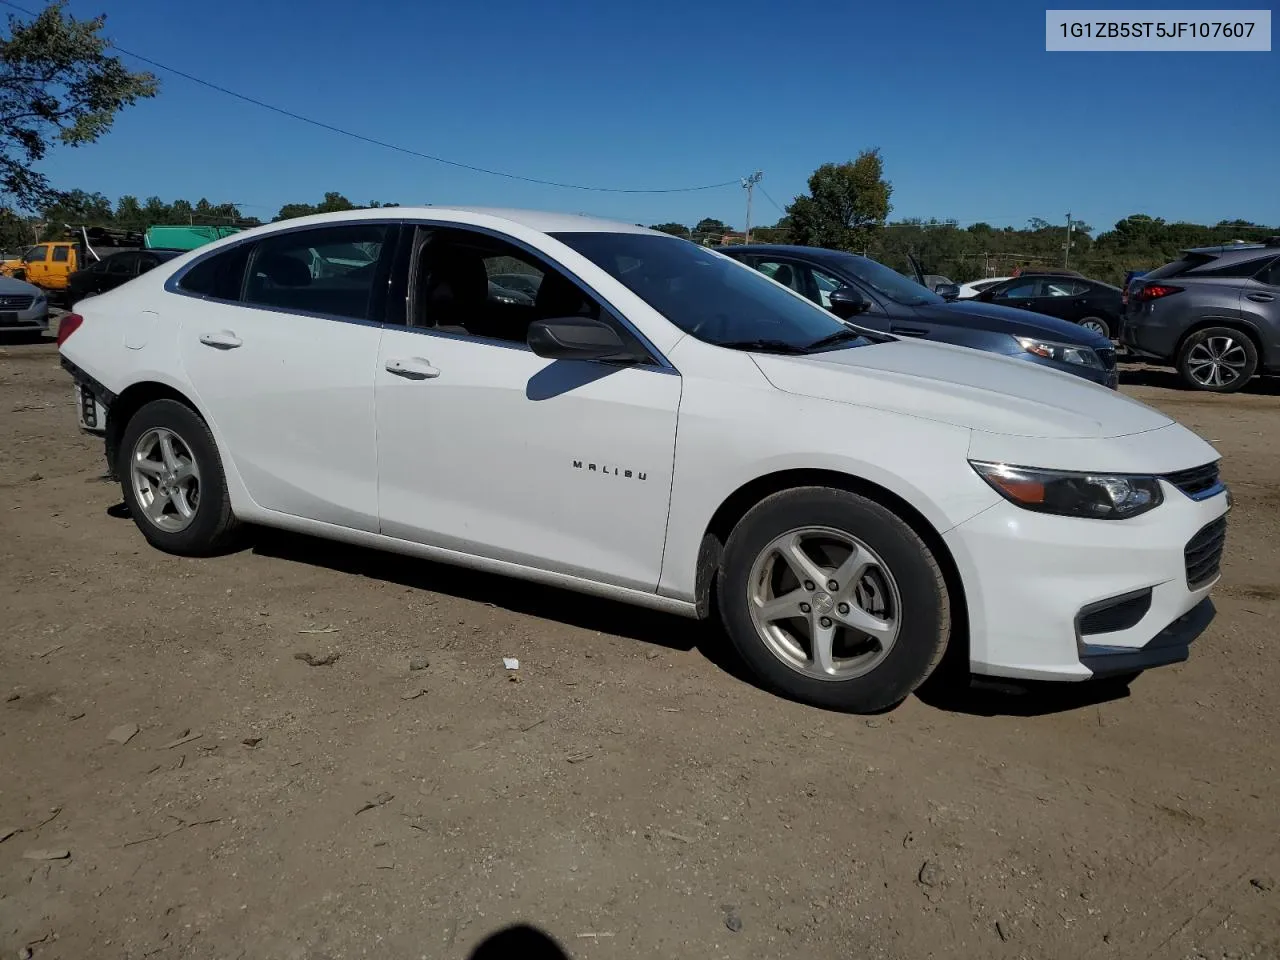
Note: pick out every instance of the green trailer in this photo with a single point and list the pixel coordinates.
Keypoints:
(185, 237)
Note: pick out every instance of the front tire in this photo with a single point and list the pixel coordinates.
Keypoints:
(172, 480)
(833, 600)
(1217, 360)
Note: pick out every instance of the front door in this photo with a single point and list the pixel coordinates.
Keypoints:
(489, 450)
(279, 340)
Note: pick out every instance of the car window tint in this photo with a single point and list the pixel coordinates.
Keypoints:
(121, 265)
(824, 283)
(147, 263)
(36, 255)
(220, 276)
(456, 287)
(329, 270)
(707, 294)
(1238, 268)
(61, 254)
(1271, 275)
(785, 273)
(99, 266)
(1026, 288)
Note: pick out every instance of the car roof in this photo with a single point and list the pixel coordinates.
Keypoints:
(542, 221)
(1249, 249)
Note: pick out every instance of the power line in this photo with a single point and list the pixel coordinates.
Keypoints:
(771, 200)
(383, 143)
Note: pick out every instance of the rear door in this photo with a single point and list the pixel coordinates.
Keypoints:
(279, 338)
(1021, 292)
(1260, 306)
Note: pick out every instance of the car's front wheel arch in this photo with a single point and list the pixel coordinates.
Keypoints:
(741, 501)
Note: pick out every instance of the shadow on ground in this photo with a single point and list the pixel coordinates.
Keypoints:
(952, 690)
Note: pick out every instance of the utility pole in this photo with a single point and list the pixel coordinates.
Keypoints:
(1066, 250)
(749, 184)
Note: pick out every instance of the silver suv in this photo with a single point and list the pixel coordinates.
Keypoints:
(1214, 314)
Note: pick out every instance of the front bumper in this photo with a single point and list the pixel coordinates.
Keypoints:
(35, 318)
(1030, 579)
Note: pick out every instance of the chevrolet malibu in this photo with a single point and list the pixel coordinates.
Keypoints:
(660, 425)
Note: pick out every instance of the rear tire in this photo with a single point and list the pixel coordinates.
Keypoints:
(1097, 325)
(861, 645)
(1217, 360)
(173, 482)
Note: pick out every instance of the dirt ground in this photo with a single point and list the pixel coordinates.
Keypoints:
(631, 794)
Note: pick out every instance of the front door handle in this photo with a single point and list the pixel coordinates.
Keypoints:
(222, 340)
(413, 368)
(1260, 297)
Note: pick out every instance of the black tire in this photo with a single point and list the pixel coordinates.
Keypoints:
(212, 527)
(1104, 325)
(924, 615)
(1211, 340)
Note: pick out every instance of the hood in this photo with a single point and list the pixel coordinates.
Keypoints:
(978, 315)
(963, 387)
(17, 288)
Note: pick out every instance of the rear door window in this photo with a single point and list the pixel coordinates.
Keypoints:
(331, 271)
(61, 254)
(219, 277)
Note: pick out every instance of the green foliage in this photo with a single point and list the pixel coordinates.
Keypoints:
(675, 229)
(846, 205)
(333, 202)
(57, 84)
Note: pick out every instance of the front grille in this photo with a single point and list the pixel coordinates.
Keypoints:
(16, 303)
(1111, 616)
(1108, 357)
(1203, 553)
(1197, 480)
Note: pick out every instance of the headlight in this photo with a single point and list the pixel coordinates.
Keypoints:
(40, 298)
(1096, 495)
(1062, 352)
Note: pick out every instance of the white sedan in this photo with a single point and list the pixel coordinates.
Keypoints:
(662, 426)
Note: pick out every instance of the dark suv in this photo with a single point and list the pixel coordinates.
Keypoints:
(1214, 314)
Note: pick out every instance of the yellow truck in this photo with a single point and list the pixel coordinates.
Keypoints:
(47, 265)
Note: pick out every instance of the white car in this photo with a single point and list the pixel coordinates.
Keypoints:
(662, 426)
(975, 287)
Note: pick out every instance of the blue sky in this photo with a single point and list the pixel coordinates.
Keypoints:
(974, 118)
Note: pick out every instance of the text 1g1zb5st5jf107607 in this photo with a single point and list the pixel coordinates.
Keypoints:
(1158, 30)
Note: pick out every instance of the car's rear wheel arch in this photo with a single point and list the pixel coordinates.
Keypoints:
(737, 505)
(1229, 323)
(129, 402)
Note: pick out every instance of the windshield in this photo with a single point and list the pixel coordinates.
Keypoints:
(710, 296)
(887, 282)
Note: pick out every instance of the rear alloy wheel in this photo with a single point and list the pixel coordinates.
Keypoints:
(833, 600)
(1096, 325)
(172, 480)
(1217, 359)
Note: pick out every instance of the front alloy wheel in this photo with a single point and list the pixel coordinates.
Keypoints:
(824, 603)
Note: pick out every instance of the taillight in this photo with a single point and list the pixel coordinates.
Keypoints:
(1154, 291)
(68, 325)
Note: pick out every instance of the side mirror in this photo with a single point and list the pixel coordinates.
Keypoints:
(847, 302)
(577, 338)
(948, 291)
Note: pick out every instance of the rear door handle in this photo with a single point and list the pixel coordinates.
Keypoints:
(222, 340)
(909, 331)
(1260, 297)
(413, 368)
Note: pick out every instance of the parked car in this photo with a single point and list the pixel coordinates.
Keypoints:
(47, 265)
(23, 306)
(872, 295)
(526, 283)
(1091, 304)
(935, 281)
(110, 272)
(660, 421)
(1214, 314)
(975, 287)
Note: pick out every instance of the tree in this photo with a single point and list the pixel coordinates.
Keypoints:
(710, 227)
(333, 202)
(675, 229)
(57, 83)
(846, 205)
